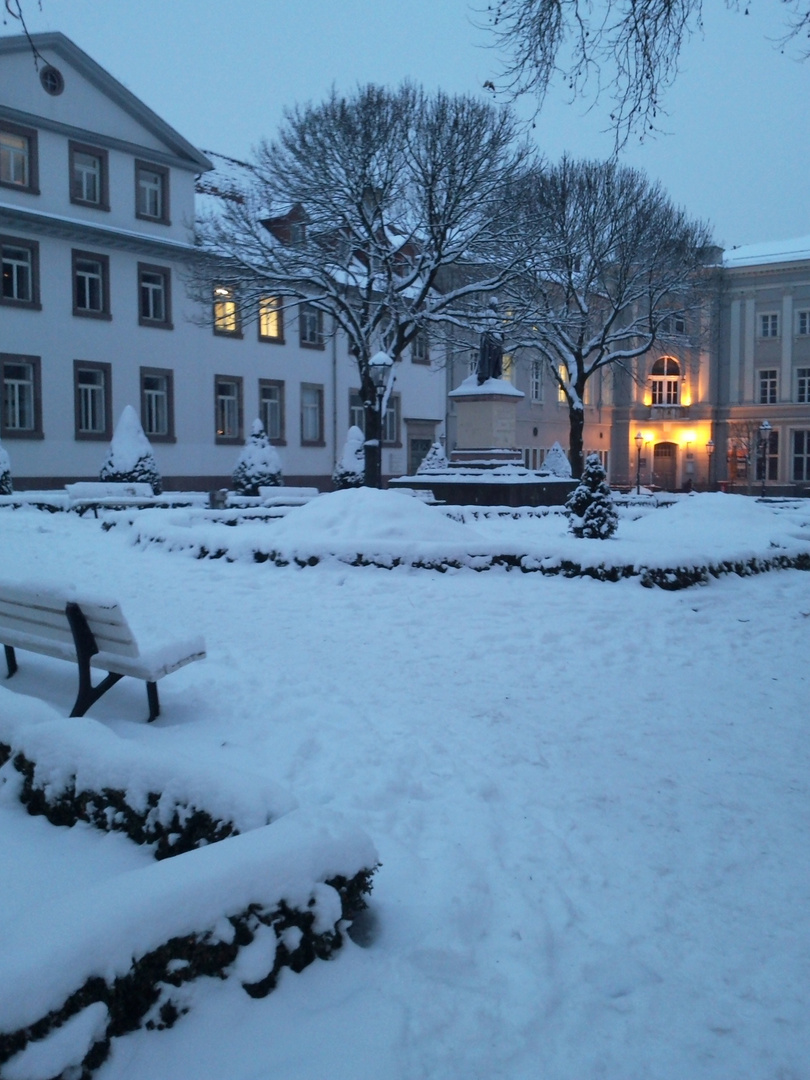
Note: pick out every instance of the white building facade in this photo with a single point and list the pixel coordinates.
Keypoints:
(97, 206)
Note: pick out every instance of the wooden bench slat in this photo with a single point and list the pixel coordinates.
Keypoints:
(45, 615)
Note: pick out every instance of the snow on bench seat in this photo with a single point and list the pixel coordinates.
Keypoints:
(90, 631)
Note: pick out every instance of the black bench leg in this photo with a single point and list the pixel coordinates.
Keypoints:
(88, 694)
(154, 704)
(11, 660)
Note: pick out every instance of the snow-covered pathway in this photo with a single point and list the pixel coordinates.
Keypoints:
(590, 800)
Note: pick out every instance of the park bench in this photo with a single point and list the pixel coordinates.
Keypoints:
(90, 495)
(90, 632)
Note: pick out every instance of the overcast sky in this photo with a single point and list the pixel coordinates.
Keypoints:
(737, 153)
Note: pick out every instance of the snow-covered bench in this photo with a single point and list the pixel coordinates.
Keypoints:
(90, 632)
(89, 495)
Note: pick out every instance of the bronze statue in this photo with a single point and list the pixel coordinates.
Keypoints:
(490, 357)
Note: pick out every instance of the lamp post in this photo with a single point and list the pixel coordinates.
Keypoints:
(639, 443)
(710, 449)
(379, 367)
(764, 439)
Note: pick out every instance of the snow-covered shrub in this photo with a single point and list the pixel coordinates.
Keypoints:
(435, 460)
(556, 463)
(259, 464)
(130, 459)
(6, 487)
(590, 509)
(350, 470)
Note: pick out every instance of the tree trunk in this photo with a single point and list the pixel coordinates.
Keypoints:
(576, 428)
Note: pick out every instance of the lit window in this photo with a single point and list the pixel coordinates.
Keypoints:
(311, 414)
(665, 381)
(90, 284)
(271, 326)
(768, 378)
(157, 403)
(226, 311)
(769, 325)
(92, 400)
(153, 296)
(271, 409)
(151, 192)
(20, 284)
(20, 416)
(228, 400)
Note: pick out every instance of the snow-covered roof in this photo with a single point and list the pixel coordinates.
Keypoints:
(771, 251)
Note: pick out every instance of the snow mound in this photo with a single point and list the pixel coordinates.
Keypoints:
(360, 515)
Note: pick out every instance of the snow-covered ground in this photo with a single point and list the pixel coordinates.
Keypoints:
(590, 800)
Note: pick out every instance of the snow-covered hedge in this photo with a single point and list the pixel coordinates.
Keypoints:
(82, 771)
(6, 486)
(121, 955)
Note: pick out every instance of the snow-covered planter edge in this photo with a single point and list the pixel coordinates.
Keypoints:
(274, 898)
(84, 772)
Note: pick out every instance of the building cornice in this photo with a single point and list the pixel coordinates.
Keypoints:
(65, 228)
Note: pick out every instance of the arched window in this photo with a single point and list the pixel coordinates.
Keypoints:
(665, 381)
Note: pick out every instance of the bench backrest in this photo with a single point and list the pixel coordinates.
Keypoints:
(91, 489)
(33, 616)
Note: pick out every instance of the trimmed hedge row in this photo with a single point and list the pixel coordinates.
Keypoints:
(150, 994)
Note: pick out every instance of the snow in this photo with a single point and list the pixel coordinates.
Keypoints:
(772, 251)
(590, 800)
(129, 444)
(471, 387)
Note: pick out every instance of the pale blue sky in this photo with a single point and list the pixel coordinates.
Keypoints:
(738, 154)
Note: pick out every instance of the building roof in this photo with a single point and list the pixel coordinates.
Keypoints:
(112, 88)
(772, 251)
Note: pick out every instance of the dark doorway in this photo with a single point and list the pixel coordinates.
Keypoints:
(665, 465)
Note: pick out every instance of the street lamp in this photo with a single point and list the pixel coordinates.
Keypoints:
(764, 439)
(710, 448)
(639, 444)
(379, 367)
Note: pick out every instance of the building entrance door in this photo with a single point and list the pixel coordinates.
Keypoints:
(665, 465)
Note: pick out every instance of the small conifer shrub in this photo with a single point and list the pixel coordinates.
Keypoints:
(130, 459)
(6, 487)
(590, 508)
(259, 464)
(350, 470)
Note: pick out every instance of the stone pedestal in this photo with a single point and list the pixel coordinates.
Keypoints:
(486, 421)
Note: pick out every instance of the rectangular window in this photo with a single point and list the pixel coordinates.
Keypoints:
(271, 319)
(20, 272)
(311, 415)
(226, 312)
(769, 325)
(271, 409)
(420, 352)
(151, 192)
(537, 382)
(157, 403)
(22, 399)
(92, 399)
(769, 458)
(18, 158)
(88, 176)
(310, 327)
(91, 285)
(768, 379)
(154, 296)
(803, 385)
(801, 456)
(803, 323)
(391, 420)
(228, 407)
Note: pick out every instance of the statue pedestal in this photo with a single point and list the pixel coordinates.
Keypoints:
(486, 421)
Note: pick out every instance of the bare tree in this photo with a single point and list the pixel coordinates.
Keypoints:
(378, 210)
(612, 267)
(632, 46)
